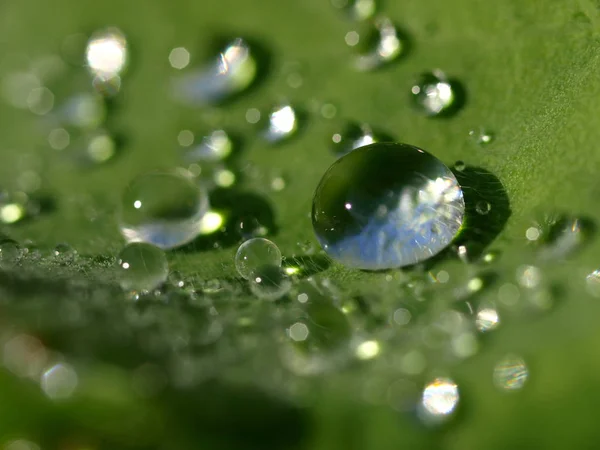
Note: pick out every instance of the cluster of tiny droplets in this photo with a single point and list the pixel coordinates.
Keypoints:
(321, 328)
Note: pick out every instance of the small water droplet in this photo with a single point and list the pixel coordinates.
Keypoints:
(379, 45)
(529, 277)
(283, 123)
(396, 218)
(481, 136)
(483, 207)
(64, 253)
(94, 148)
(163, 209)
(511, 373)
(439, 400)
(269, 282)
(224, 178)
(434, 95)
(106, 57)
(487, 318)
(255, 253)
(368, 349)
(252, 115)
(356, 9)
(564, 237)
(40, 101)
(59, 381)
(328, 111)
(15, 206)
(533, 233)
(230, 73)
(459, 166)
(179, 58)
(353, 136)
(142, 267)
(278, 184)
(214, 146)
(59, 139)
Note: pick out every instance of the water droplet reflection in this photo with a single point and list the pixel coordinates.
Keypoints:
(356, 9)
(283, 123)
(511, 373)
(439, 400)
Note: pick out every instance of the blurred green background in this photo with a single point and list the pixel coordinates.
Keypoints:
(530, 72)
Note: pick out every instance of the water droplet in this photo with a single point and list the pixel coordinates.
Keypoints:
(328, 111)
(86, 111)
(14, 207)
(179, 58)
(593, 283)
(142, 267)
(533, 233)
(283, 123)
(439, 400)
(481, 136)
(40, 101)
(232, 71)
(434, 94)
(163, 209)
(459, 166)
(249, 227)
(64, 253)
(298, 332)
(252, 115)
(379, 45)
(353, 136)
(94, 148)
(511, 373)
(25, 356)
(214, 147)
(387, 205)
(564, 237)
(269, 282)
(17, 87)
(509, 294)
(278, 184)
(59, 139)
(487, 318)
(356, 9)
(106, 57)
(59, 381)
(255, 253)
(529, 277)
(483, 207)
(368, 350)
(224, 178)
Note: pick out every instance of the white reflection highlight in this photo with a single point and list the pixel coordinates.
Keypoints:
(439, 399)
(106, 53)
(282, 123)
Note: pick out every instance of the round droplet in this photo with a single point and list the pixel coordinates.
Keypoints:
(353, 136)
(283, 123)
(511, 373)
(59, 381)
(270, 282)
(434, 94)
(377, 46)
(481, 136)
(64, 253)
(163, 209)
(230, 73)
(179, 58)
(356, 9)
(214, 147)
(483, 207)
(255, 253)
(439, 400)
(385, 206)
(106, 53)
(86, 111)
(487, 318)
(142, 267)
(459, 166)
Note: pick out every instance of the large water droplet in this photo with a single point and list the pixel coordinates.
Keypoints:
(255, 253)
(387, 205)
(434, 94)
(232, 71)
(142, 267)
(163, 209)
(378, 46)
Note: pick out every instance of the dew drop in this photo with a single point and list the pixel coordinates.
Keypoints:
(481, 137)
(179, 58)
(214, 147)
(434, 95)
(86, 111)
(163, 209)
(386, 206)
(353, 136)
(459, 166)
(565, 237)
(15, 206)
(106, 56)
(59, 381)
(40, 101)
(356, 9)
(142, 267)
(283, 123)
(368, 349)
(532, 233)
(487, 318)
(59, 139)
(380, 45)
(511, 373)
(10, 253)
(269, 282)
(483, 207)
(64, 253)
(97, 147)
(255, 253)
(439, 400)
(230, 73)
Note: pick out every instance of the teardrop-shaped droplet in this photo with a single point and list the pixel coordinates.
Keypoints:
(387, 205)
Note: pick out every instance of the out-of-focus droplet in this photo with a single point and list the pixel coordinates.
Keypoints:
(163, 209)
(353, 136)
(511, 373)
(224, 178)
(10, 253)
(593, 283)
(483, 207)
(439, 400)
(283, 123)
(509, 294)
(433, 94)
(185, 138)
(386, 206)
(459, 166)
(94, 148)
(328, 111)
(269, 282)
(356, 9)
(59, 139)
(368, 350)
(64, 253)
(17, 88)
(86, 111)
(298, 332)
(255, 253)
(20, 444)
(278, 184)
(40, 101)
(25, 356)
(481, 136)
(378, 46)
(214, 147)
(230, 73)
(532, 233)
(179, 58)
(142, 267)
(529, 277)
(106, 54)
(59, 381)
(253, 116)
(564, 237)
(15, 206)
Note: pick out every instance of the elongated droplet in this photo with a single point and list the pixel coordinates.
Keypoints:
(232, 71)
(387, 205)
(163, 209)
